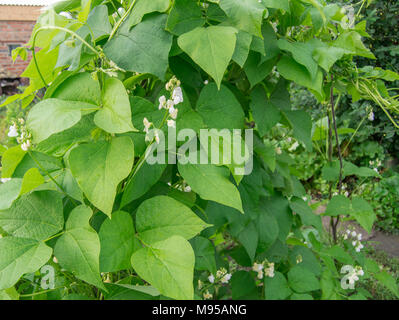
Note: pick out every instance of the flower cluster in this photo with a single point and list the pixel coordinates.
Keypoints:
(18, 130)
(176, 97)
(354, 275)
(222, 276)
(375, 164)
(264, 268)
(356, 239)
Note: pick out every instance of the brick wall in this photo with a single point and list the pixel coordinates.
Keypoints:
(13, 33)
(16, 24)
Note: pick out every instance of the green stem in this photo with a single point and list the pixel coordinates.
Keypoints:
(118, 24)
(55, 236)
(354, 134)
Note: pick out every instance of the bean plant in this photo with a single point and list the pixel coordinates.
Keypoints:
(85, 215)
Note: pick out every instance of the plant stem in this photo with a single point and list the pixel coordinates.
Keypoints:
(118, 24)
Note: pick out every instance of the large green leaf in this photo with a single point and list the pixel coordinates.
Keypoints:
(204, 254)
(78, 249)
(211, 183)
(144, 48)
(9, 192)
(220, 108)
(211, 48)
(265, 113)
(117, 242)
(54, 115)
(142, 7)
(161, 217)
(38, 216)
(246, 15)
(185, 16)
(243, 44)
(10, 161)
(98, 21)
(301, 123)
(168, 265)
(99, 167)
(19, 256)
(302, 280)
(363, 212)
(115, 115)
(276, 288)
(142, 181)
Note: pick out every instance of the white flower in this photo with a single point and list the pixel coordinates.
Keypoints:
(162, 102)
(156, 136)
(354, 233)
(257, 267)
(260, 275)
(371, 116)
(26, 145)
(206, 82)
(278, 150)
(360, 272)
(13, 132)
(359, 247)
(345, 237)
(177, 95)
(346, 194)
(348, 231)
(269, 271)
(294, 146)
(4, 180)
(359, 237)
(171, 123)
(226, 278)
(211, 278)
(187, 189)
(173, 112)
(147, 125)
(207, 295)
(55, 260)
(354, 243)
(170, 105)
(376, 170)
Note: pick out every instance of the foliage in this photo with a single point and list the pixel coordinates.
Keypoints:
(86, 202)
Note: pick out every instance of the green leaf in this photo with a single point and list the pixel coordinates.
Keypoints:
(302, 52)
(301, 122)
(241, 51)
(292, 70)
(98, 21)
(78, 87)
(302, 280)
(38, 216)
(142, 181)
(9, 192)
(19, 256)
(351, 42)
(305, 212)
(53, 115)
(185, 16)
(142, 49)
(387, 280)
(10, 161)
(243, 286)
(9, 294)
(363, 213)
(168, 265)
(161, 217)
(130, 292)
(32, 179)
(256, 70)
(277, 4)
(246, 15)
(58, 144)
(211, 183)
(78, 249)
(220, 108)
(142, 7)
(99, 167)
(211, 48)
(117, 242)
(326, 56)
(276, 288)
(115, 115)
(265, 113)
(204, 254)
(338, 205)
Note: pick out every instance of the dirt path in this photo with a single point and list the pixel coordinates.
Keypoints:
(380, 240)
